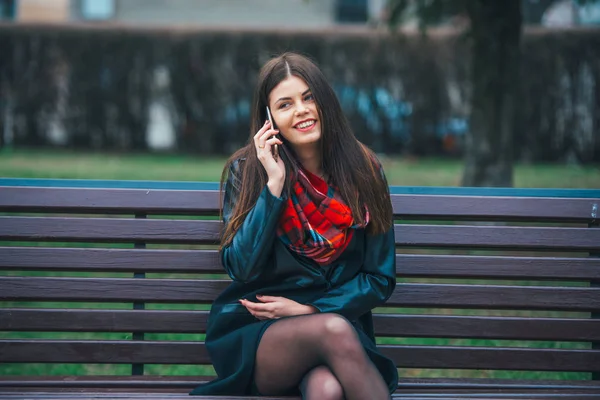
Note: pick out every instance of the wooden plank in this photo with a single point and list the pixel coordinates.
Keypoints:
(480, 327)
(498, 237)
(110, 289)
(196, 232)
(203, 291)
(493, 358)
(497, 383)
(208, 261)
(111, 260)
(86, 320)
(494, 208)
(396, 325)
(174, 382)
(117, 230)
(497, 267)
(109, 201)
(203, 202)
(165, 382)
(151, 352)
(213, 186)
(495, 297)
(112, 352)
(114, 381)
(127, 395)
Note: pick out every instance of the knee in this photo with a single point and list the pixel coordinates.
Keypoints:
(340, 335)
(329, 389)
(337, 326)
(323, 385)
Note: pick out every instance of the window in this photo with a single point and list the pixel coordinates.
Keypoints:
(7, 9)
(97, 9)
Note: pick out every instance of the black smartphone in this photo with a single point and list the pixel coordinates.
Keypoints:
(274, 149)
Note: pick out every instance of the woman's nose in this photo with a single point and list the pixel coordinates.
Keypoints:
(301, 109)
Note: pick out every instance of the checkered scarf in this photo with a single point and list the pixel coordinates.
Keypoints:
(316, 222)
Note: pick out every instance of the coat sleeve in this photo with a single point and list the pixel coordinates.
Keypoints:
(371, 287)
(252, 245)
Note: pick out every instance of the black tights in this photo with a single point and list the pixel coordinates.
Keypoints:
(319, 353)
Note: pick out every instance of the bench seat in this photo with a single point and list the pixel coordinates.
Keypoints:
(498, 295)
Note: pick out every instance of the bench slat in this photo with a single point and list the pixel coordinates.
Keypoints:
(109, 201)
(203, 202)
(442, 326)
(137, 395)
(494, 208)
(208, 261)
(498, 237)
(497, 267)
(203, 291)
(151, 352)
(112, 260)
(116, 230)
(128, 395)
(189, 382)
(196, 232)
(480, 327)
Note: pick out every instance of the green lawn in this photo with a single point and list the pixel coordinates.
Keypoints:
(400, 171)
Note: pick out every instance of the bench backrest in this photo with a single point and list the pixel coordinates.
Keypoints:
(485, 283)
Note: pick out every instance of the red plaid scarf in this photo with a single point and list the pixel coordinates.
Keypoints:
(316, 222)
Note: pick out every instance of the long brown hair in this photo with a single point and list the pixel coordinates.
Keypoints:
(350, 165)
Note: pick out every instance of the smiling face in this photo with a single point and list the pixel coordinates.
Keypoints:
(295, 112)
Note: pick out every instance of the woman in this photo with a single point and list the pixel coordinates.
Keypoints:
(309, 244)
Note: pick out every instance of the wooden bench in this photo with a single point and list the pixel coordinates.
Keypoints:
(489, 280)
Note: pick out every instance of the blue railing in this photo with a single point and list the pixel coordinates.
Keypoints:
(181, 185)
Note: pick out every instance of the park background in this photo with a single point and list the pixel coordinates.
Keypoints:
(160, 90)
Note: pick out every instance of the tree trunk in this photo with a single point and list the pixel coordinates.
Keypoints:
(496, 36)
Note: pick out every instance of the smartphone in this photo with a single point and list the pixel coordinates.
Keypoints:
(274, 149)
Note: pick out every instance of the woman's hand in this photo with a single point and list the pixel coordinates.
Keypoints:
(273, 307)
(264, 140)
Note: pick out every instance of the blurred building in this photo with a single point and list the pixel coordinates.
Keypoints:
(561, 13)
(7, 9)
(238, 13)
(281, 14)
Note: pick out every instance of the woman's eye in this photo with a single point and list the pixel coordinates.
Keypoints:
(283, 105)
(309, 97)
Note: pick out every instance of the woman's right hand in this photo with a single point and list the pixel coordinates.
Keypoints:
(264, 140)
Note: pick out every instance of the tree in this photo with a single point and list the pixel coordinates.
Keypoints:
(495, 63)
(494, 32)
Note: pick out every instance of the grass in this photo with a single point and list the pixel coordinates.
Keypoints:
(164, 167)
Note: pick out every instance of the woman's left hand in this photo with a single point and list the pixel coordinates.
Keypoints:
(274, 307)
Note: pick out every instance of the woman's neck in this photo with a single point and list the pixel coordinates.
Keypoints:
(311, 161)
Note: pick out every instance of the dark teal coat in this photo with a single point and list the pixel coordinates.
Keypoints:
(362, 278)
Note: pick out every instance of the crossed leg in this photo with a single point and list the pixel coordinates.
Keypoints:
(322, 354)
(321, 383)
